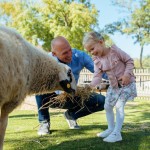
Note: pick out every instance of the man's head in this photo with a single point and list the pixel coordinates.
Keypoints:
(61, 49)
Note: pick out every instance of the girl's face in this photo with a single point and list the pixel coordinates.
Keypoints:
(95, 48)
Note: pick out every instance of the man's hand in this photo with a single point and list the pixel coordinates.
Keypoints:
(104, 85)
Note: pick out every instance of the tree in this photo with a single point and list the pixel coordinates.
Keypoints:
(22, 16)
(146, 61)
(137, 25)
(41, 22)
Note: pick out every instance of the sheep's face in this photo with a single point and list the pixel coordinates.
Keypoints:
(67, 80)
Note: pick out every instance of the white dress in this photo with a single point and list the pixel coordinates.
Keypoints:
(125, 93)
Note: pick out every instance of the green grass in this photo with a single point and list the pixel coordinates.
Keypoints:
(22, 128)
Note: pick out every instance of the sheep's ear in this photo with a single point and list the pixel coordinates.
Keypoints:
(67, 67)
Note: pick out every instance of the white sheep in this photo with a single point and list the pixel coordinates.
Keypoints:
(25, 70)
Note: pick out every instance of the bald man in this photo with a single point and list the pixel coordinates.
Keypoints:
(77, 60)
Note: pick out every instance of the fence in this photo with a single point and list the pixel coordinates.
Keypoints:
(142, 81)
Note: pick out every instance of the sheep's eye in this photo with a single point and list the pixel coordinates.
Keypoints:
(69, 75)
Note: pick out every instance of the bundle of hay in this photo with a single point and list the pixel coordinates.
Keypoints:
(84, 92)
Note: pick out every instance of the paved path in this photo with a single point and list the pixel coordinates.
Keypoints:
(28, 104)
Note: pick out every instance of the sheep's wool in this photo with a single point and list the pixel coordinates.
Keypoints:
(24, 70)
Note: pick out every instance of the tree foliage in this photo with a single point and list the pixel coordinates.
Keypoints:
(137, 24)
(41, 21)
(146, 61)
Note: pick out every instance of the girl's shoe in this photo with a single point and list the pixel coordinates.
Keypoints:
(113, 137)
(104, 133)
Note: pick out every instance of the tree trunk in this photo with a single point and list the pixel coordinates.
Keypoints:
(141, 55)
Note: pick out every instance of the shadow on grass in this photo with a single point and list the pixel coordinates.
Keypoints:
(136, 135)
(27, 116)
(144, 116)
(134, 138)
(130, 142)
(139, 112)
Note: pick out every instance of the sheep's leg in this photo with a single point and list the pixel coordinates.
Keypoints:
(3, 125)
(5, 110)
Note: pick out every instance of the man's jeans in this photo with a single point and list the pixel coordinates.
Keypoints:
(76, 110)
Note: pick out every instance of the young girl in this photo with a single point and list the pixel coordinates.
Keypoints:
(119, 67)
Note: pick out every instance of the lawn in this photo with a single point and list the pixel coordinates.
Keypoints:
(22, 128)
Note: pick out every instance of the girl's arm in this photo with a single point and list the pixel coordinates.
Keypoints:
(129, 63)
(129, 66)
(96, 79)
(97, 75)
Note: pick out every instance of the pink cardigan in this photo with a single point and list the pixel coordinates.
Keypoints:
(116, 64)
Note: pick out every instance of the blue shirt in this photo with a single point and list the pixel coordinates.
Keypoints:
(80, 60)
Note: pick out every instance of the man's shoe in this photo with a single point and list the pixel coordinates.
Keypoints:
(104, 133)
(44, 128)
(71, 121)
(113, 137)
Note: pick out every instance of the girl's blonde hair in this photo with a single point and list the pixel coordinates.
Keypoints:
(92, 36)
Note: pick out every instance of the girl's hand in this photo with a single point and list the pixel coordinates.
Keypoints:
(125, 80)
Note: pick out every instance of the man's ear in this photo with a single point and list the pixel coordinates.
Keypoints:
(101, 41)
(53, 53)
